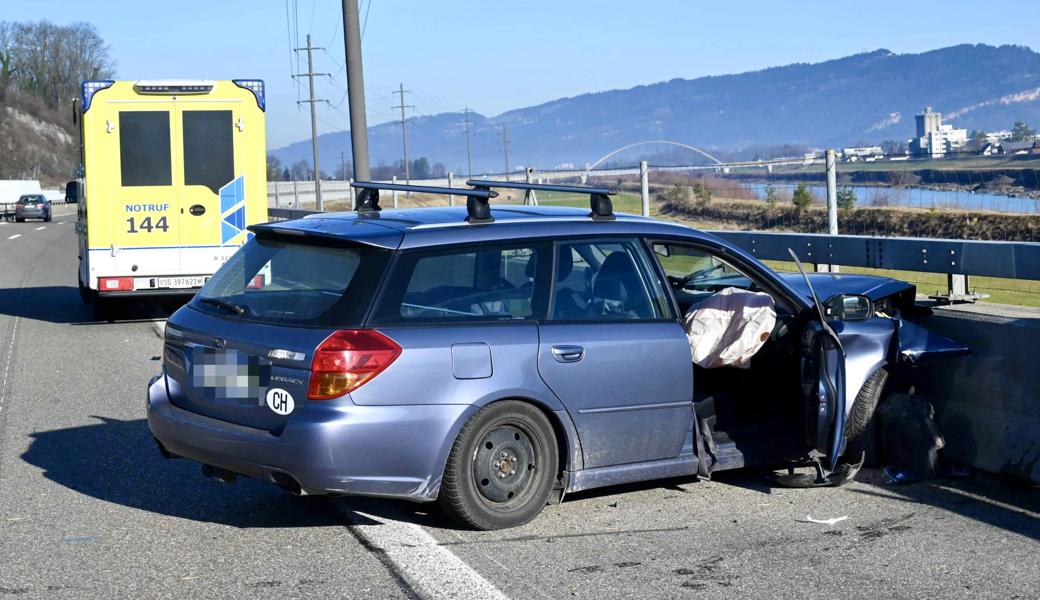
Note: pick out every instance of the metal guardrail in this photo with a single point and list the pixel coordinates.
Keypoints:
(1011, 260)
(956, 258)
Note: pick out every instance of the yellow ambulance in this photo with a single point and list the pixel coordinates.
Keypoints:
(173, 173)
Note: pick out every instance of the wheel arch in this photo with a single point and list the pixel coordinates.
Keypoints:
(567, 443)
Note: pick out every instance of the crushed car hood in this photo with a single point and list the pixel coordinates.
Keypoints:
(828, 285)
(917, 345)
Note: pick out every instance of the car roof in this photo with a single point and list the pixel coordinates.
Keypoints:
(425, 227)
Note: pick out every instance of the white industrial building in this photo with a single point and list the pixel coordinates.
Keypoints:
(935, 139)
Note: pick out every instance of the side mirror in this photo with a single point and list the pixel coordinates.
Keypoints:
(847, 307)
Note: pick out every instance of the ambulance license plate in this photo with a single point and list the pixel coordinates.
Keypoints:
(180, 282)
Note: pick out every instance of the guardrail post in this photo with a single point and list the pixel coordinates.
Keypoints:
(644, 186)
(296, 195)
(451, 183)
(393, 193)
(277, 204)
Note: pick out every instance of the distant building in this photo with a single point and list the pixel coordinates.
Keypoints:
(935, 139)
(865, 153)
(996, 137)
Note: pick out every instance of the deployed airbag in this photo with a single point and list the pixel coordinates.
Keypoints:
(729, 327)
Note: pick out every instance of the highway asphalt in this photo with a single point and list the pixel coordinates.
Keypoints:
(89, 509)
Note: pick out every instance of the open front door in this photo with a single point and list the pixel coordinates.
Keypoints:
(823, 387)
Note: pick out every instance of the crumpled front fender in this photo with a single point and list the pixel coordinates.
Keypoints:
(918, 345)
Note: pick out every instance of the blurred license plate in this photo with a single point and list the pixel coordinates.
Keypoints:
(180, 282)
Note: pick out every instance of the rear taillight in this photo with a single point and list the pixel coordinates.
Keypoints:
(116, 284)
(348, 359)
(39, 206)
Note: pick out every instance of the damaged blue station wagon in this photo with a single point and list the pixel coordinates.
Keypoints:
(497, 358)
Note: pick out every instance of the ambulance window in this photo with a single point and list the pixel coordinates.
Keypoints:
(144, 147)
(209, 153)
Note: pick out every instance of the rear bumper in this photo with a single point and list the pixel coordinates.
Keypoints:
(330, 447)
(149, 292)
(31, 214)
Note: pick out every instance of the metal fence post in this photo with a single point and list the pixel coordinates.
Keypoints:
(644, 186)
(296, 195)
(451, 183)
(350, 194)
(393, 193)
(277, 204)
(529, 195)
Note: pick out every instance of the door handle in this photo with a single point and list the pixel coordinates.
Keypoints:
(568, 354)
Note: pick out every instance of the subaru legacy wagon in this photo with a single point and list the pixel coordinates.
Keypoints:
(495, 358)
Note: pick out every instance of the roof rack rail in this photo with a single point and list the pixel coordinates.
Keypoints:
(599, 197)
(476, 200)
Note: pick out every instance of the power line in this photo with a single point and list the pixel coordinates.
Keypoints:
(404, 132)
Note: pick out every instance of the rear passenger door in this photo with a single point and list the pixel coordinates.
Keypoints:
(615, 355)
(466, 317)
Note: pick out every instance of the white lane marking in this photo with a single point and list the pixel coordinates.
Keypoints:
(61, 222)
(421, 560)
(40, 227)
(17, 235)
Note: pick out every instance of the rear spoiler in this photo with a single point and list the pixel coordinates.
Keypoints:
(599, 197)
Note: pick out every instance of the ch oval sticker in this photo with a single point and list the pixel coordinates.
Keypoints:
(280, 401)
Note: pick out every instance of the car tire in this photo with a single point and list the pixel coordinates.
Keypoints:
(502, 467)
(47, 219)
(862, 431)
(19, 220)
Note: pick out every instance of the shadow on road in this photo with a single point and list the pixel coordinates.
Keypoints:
(62, 304)
(117, 461)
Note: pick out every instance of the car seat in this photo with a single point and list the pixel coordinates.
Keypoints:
(617, 290)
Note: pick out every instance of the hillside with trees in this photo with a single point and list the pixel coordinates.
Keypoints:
(41, 67)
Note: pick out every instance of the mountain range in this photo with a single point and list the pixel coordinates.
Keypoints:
(864, 98)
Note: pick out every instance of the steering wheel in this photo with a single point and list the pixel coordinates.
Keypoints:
(682, 282)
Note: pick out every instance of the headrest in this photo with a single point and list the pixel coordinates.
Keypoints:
(617, 278)
(564, 265)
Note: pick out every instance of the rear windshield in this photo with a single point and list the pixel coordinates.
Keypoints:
(278, 281)
(31, 199)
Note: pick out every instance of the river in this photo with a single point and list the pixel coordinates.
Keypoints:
(867, 196)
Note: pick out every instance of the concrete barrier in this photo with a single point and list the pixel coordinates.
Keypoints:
(988, 404)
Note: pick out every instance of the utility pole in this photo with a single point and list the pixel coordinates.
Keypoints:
(505, 148)
(404, 133)
(310, 74)
(355, 90)
(469, 153)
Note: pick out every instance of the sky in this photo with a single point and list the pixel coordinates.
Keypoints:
(496, 55)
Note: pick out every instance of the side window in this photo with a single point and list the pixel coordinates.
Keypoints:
(606, 280)
(144, 148)
(476, 283)
(209, 152)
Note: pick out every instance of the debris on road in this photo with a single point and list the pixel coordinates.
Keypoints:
(832, 521)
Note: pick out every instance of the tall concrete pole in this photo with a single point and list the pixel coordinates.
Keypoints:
(318, 204)
(832, 193)
(832, 198)
(356, 90)
(644, 186)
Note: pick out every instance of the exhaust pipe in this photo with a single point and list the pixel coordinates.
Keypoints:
(288, 482)
(221, 475)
